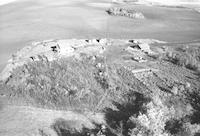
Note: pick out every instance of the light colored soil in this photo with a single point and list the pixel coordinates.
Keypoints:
(171, 2)
(24, 120)
(100, 5)
(3, 2)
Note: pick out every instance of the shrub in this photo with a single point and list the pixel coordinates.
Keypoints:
(125, 12)
(174, 126)
(66, 83)
(42, 133)
(189, 57)
(119, 120)
(197, 134)
(194, 99)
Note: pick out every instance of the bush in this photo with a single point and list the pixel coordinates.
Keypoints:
(66, 83)
(194, 99)
(174, 126)
(119, 120)
(189, 57)
(197, 134)
(125, 12)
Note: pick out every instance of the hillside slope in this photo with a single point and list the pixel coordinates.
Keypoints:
(118, 87)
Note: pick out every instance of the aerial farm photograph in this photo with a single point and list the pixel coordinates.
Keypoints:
(99, 67)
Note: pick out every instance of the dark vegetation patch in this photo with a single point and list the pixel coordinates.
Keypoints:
(194, 99)
(174, 126)
(127, 12)
(197, 134)
(118, 121)
(187, 57)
